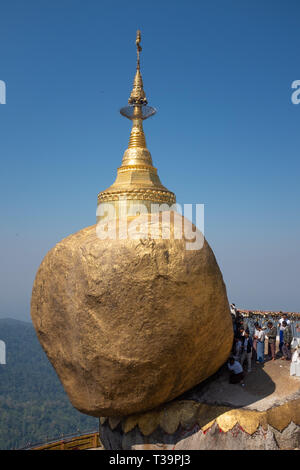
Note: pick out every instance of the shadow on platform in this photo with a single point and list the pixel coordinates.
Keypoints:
(193, 411)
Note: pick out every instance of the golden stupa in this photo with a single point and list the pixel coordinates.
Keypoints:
(137, 180)
(131, 324)
(127, 321)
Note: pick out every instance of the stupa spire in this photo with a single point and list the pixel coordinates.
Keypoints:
(137, 180)
(138, 95)
(137, 111)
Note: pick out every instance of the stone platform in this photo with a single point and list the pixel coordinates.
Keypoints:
(265, 414)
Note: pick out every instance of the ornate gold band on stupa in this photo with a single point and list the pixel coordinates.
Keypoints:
(153, 196)
(137, 179)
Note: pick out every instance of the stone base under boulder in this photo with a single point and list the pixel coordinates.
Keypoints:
(263, 415)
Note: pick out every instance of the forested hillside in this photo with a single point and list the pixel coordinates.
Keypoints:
(33, 403)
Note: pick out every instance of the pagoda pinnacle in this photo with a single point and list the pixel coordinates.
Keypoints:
(137, 112)
(138, 95)
(137, 180)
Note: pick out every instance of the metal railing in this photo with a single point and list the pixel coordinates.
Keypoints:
(70, 442)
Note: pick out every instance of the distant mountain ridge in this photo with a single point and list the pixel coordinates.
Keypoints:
(12, 321)
(33, 403)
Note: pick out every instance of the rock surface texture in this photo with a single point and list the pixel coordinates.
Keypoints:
(129, 324)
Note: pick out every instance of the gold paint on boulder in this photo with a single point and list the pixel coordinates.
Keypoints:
(171, 420)
(249, 421)
(188, 413)
(114, 421)
(129, 324)
(130, 423)
(228, 420)
(278, 417)
(149, 422)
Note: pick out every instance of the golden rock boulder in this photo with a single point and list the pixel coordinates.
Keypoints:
(129, 324)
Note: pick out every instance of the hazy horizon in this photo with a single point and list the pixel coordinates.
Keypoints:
(225, 135)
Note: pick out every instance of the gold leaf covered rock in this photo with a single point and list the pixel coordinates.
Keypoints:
(130, 324)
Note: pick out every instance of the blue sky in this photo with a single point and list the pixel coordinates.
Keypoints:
(226, 133)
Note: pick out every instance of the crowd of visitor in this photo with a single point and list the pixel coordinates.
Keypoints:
(249, 348)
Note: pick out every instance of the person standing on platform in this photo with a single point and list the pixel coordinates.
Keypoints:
(233, 309)
(246, 350)
(254, 341)
(238, 321)
(260, 348)
(272, 333)
(241, 332)
(281, 329)
(237, 350)
(287, 339)
(295, 364)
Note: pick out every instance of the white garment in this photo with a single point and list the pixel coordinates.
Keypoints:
(260, 335)
(295, 364)
(282, 320)
(235, 367)
(295, 343)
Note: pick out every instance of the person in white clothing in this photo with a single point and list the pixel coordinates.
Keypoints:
(237, 373)
(282, 319)
(233, 309)
(295, 364)
(254, 340)
(260, 348)
(281, 329)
